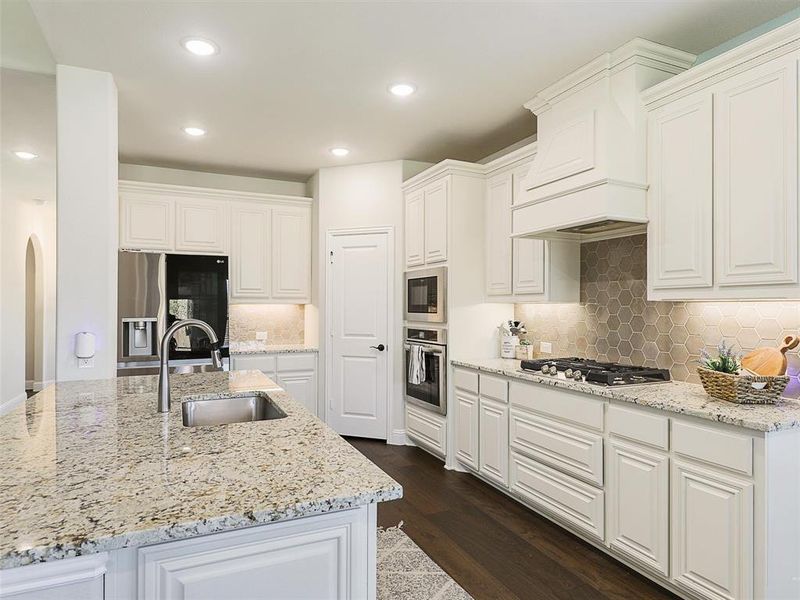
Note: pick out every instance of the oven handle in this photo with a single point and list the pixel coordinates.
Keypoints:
(426, 349)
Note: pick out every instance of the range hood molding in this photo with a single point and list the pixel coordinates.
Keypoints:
(591, 165)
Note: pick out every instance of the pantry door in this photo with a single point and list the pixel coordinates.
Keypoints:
(359, 349)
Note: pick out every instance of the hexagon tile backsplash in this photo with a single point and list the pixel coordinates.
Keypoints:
(616, 322)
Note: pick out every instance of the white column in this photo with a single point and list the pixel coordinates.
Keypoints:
(87, 220)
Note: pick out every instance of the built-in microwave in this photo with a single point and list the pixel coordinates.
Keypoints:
(426, 295)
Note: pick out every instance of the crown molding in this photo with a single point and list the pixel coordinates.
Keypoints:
(522, 154)
(636, 52)
(187, 191)
(778, 42)
(446, 167)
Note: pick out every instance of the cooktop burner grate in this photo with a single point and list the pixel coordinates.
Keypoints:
(592, 371)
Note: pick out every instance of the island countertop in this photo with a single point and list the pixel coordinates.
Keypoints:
(91, 466)
(674, 396)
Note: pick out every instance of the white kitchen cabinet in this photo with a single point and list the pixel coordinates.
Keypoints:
(146, 222)
(436, 221)
(428, 429)
(523, 269)
(415, 228)
(291, 253)
(680, 202)
(296, 373)
(712, 532)
(250, 252)
(755, 175)
(493, 452)
(499, 193)
(723, 206)
(201, 226)
(637, 498)
(467, 428)
(79, 577)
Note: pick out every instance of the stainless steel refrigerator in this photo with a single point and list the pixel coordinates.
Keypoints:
(155, 290)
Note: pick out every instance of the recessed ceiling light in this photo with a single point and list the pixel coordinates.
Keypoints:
(194, 131)
(340, 151)
(403, 89)
(24, 155)
(200, 47)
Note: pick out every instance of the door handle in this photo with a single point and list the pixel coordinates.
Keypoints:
(379, 347)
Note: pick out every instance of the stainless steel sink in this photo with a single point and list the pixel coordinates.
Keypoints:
(238, 409)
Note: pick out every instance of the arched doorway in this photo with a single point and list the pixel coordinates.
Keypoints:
(34, 315)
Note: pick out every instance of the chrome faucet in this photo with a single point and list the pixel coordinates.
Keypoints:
(163, 375)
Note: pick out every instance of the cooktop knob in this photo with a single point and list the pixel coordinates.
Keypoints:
(553, 370)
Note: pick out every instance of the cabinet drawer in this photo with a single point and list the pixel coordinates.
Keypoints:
(257, 362)
(639, 426)
(296, 362)
(721, 448)
(494, 388)
(427, 429)
(569, 500)
(561, 404)
(465, 380)
(574, 451)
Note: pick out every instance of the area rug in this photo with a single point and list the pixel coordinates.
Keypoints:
(406, 572)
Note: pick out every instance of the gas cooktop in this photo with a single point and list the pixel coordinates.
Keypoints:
(592, 371)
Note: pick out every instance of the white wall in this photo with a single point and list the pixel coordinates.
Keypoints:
(87, 219)
(210, 180)
(363, 196)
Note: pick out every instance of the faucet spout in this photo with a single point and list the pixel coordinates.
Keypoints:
(163, 375)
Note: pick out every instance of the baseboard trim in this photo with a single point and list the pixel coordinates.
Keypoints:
(397, 437)
(38, 386)
(6, 406)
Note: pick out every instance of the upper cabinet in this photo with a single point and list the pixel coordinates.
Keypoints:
(723, 172)
(426, 223)
(267, 237)
(523, 269)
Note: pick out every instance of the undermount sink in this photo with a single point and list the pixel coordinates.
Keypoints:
(236, 409)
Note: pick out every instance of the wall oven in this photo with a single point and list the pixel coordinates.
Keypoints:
(426, 368)
(426, 295)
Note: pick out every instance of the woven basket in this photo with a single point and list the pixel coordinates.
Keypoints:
(739, 388)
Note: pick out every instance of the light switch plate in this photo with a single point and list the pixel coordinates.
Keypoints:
(546, 347)
(261, 336)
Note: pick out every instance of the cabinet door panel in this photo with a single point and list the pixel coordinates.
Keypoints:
(291, 253)
(250, 252)
(680, 198)
(712, 532)
(436, 222)
(201, 226)
(415, 229)
(755, 176)
(467, 428)
(638, 501)
(302, 386)
(146, 223)
(493, 451)
(498, 235)
(529, 266)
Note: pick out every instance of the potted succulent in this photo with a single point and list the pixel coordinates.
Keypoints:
(722, 377)
(525, 350)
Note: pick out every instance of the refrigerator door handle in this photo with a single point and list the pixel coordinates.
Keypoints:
(161, 323)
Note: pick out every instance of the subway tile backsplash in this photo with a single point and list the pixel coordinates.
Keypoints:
(616, 322)
(284, 323)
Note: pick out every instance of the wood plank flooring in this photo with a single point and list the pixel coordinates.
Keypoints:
(491, 545)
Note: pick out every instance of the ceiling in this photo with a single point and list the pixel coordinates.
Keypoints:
(294, 79)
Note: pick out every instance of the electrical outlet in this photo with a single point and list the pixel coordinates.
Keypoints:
(261, 336)
(545, 347)
(86, 363)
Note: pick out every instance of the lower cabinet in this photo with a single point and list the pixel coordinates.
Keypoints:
(493, 418)
(467, 428)
(296, 373)
(712, 532)
(428, 429)
(637, 490)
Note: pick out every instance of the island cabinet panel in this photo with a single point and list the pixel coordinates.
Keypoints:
(318, 557)
(80, 577)
(638, 504)
(712, 532)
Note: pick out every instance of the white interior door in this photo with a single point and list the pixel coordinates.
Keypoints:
(359, 280)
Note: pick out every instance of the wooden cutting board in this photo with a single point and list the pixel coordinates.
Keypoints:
(770, 361)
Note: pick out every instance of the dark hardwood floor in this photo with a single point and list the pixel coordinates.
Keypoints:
(491, 545)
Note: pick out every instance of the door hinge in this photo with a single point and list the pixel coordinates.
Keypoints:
(331, 256)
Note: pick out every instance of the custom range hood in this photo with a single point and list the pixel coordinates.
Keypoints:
(589, 180)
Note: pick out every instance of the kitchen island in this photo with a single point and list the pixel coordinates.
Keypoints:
(104, 497)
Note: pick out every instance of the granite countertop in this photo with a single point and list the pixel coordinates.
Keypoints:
(90, 466)
(674, 396)
(257, 347)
